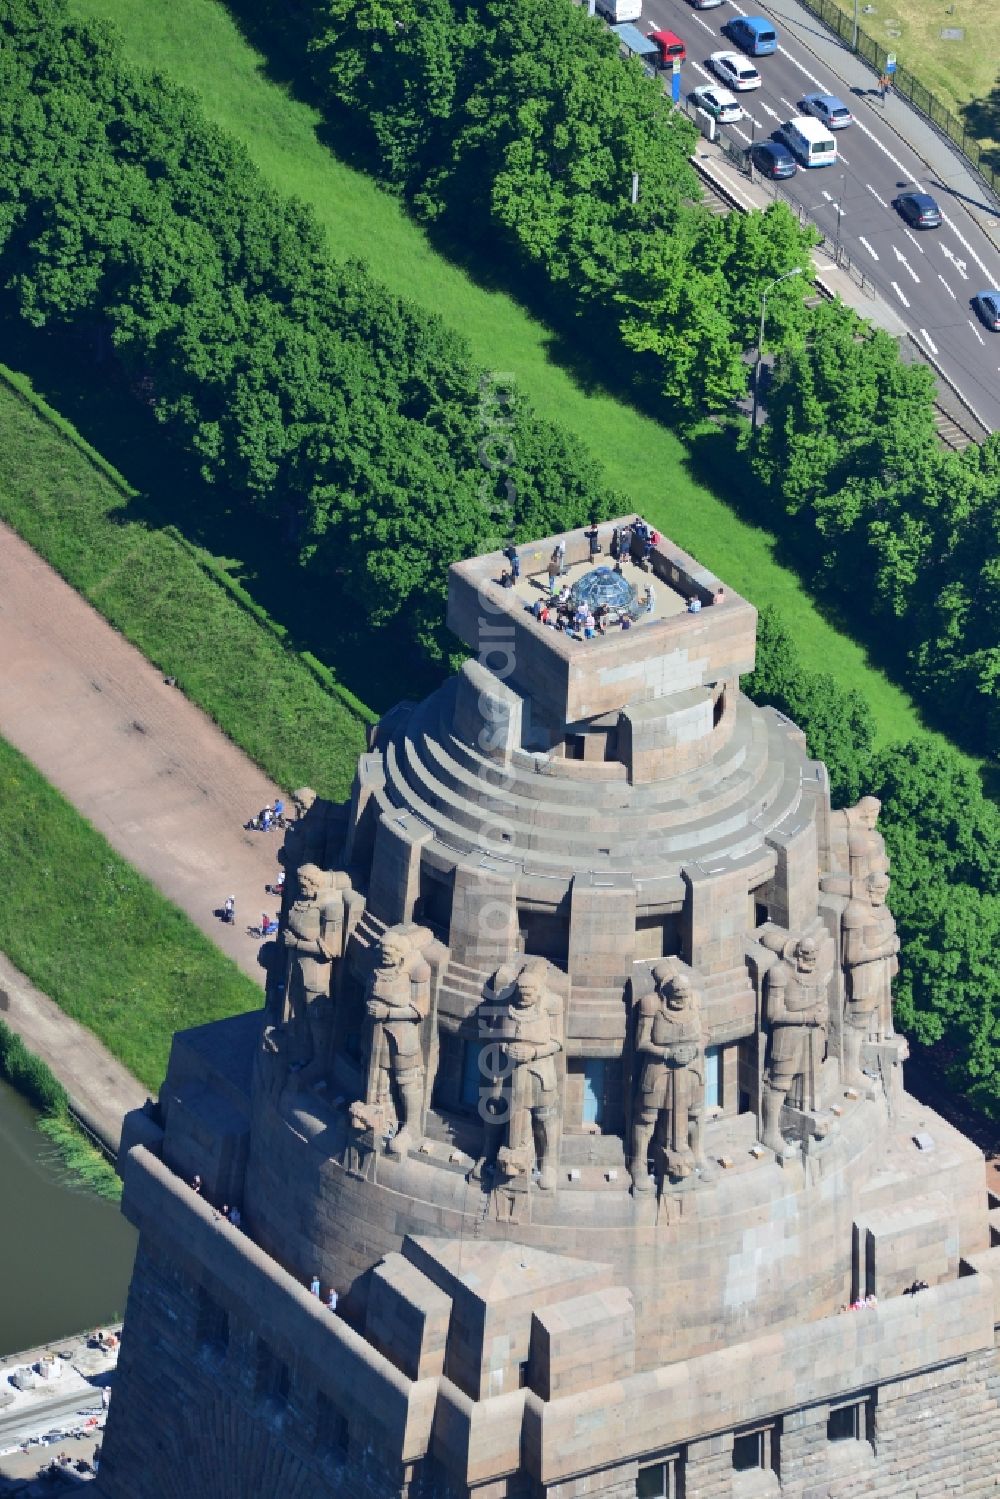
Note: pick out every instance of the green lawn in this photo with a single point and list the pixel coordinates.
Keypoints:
(97, 937)
(198, 43)
(180, 611)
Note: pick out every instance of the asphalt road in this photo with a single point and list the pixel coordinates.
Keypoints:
(928, 276)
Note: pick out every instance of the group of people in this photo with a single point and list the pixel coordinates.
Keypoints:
(267, 818)
(559, 612)
(317, 1290)
(230, 1212)
(632, 543)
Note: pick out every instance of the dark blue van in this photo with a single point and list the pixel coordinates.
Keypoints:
(753, 34)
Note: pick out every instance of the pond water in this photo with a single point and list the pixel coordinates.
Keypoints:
(65, 1255)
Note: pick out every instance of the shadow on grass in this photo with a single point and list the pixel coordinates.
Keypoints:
(380, 667)
(981, 118)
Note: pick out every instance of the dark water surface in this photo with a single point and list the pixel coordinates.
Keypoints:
(65, 1255)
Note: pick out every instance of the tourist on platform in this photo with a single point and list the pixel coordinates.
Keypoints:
(314, 1285)
(553, 570)
(234, 1216)
(694, 605)
(229, 910)
(560, 551)
(594, 541)
(510, 553)
(626, 622)
(720, 594)
(331, 1299)
(588, 626)
(196, 1183)
(649, 599)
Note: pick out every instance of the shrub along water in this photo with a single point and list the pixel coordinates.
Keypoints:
(38, 1084)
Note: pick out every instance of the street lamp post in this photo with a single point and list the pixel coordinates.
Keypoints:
(760, 343)
(840, 209)
(854, 37)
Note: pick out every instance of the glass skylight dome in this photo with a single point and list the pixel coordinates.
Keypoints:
(602, 585)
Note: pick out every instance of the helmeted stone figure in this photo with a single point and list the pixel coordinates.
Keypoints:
(870, 964)
(398, 1003)
(671, 1045)
(313, 940)
(797, 1014)
(858, 848)
(530, 1034)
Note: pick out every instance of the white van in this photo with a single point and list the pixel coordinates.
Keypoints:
(617, 11)
(810, 141)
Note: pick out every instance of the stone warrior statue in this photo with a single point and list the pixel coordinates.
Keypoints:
(870, 964)
(398, 1004)
(673, 1076)
(530, 1036)
(857, 847)
(797, 1014)
(313, 939)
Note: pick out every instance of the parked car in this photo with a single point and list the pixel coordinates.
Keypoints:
(772, 159)
(833, 112)
(753, 33)
(669, 46)
(918, 209)
(735, 71)
(987, 305)
(705, 4)
(718, 102)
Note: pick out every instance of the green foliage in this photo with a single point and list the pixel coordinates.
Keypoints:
(837, 721)
(96, 937)
(897, 529)
(36, 1082)
(165, 597)
(943, 840)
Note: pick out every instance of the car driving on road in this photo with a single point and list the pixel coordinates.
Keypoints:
(753, 33)
(918, 209)
(827, 107)
(705, 4)
(987, 305)
(718, 102)
(735, 71)
(772, 159)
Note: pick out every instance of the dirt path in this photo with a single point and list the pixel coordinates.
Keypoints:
(151, 772)
(100, 1089)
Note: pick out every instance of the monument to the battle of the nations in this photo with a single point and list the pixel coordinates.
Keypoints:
(577, 1080)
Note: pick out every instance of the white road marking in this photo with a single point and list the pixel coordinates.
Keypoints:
(965, 244)
(976, 331)
(912, 237)
(741, 133)
(699, 69)
(947, 287)
(842, 158)
(958, 264)
(899, 294)
(904, 262)
(863, 241)
(805, 71)
(769, 111)
(876, 196)
(928, 340)
(787, 102)
(709, 29)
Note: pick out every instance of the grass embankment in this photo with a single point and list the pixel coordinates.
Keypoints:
(198, 44)
(958, 71)
(97, 937)
(39, 1085)
(175, 602)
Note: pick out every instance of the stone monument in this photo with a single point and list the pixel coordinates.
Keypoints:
(577, 1082)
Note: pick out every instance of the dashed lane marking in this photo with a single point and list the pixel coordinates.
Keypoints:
(904, 262)
(899, 294)
(976, 331)
(928, 340)
(947, 287)
(863, 241)
(958, 264)
(965, 244)
(877, 196)
(910, 236)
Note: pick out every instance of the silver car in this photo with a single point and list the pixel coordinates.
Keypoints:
(718, 102)
(735, 70)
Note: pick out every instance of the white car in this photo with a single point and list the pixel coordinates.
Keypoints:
(735, 70)
(718, 102)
